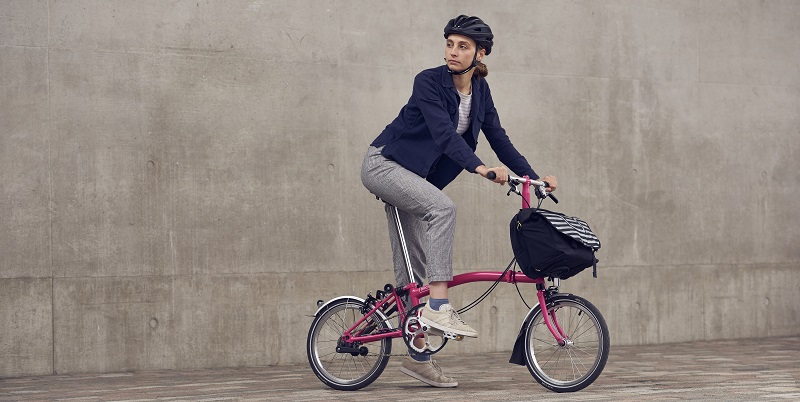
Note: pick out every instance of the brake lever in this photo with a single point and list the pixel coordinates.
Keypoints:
(550, 194)
(540, 190)
(512, 189)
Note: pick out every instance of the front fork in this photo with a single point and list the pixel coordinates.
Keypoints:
(549, 317)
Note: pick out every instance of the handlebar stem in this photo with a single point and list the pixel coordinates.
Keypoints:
(526, 192)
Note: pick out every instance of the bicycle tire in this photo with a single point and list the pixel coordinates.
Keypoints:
(343, 371)
(576, 365)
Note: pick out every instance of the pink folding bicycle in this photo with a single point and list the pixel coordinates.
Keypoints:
(565, 345)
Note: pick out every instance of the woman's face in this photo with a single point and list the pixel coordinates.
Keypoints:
(459, 51)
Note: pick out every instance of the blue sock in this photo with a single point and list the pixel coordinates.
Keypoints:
(420, 358)
(436, 303)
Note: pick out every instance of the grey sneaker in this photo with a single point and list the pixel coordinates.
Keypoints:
(446, 319)
(428, 372)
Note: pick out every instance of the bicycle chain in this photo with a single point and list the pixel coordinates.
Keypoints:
(389, 318)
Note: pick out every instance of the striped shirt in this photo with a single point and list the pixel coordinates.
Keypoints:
(463, 113)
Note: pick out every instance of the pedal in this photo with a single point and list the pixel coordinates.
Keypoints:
(450, 335)
(444, 334)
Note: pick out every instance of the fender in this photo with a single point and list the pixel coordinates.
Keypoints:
(328, 303)
(518, 355)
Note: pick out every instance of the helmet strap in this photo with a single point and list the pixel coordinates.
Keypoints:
(466, 70)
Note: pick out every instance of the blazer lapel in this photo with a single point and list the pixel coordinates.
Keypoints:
(473, 112)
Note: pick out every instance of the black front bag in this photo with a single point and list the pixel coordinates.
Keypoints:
(551, 244)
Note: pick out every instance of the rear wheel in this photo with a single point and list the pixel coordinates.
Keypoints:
(346, 371)
(577, 363)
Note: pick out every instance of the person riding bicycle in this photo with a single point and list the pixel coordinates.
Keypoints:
(432, 140)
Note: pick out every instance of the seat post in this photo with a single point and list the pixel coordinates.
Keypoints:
(411, 276)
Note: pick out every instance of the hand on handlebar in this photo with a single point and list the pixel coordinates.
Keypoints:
(551, 181)
(498, 175)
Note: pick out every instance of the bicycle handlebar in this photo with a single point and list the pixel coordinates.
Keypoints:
(539, 186)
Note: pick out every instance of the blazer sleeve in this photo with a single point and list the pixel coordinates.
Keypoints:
(500, 143)
(439, 124)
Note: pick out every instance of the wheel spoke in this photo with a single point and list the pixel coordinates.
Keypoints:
(334, 356)
(588, 328)
(579, 349)
(344, 363)
(576, 360)
(555, 352)
(575, 372)
(332, 333)
(361, 364)
(327, 354)
(547, 344)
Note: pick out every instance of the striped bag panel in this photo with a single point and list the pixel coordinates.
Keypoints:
(573, 227)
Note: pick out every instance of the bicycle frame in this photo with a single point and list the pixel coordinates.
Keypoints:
(415, 292)
(353, 335)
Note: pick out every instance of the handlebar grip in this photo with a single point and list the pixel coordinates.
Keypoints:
(552, 197)
(491, 175)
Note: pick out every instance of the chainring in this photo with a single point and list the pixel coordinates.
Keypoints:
(414, 329)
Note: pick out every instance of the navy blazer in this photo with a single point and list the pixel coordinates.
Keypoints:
(423, 137)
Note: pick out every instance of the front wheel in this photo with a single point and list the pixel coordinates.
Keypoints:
(347, 371)
(577, 363)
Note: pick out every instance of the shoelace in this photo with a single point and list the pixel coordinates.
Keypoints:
(454, 318)
(439, 371)
(436, 367)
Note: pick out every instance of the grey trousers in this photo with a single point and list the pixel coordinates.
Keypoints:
(427, 215)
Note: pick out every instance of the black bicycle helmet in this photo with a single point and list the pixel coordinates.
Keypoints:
(473, 28)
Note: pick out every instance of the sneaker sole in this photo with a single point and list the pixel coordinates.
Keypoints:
(446, 329)
(427, 380)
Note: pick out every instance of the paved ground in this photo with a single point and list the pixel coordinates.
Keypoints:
(742, 370)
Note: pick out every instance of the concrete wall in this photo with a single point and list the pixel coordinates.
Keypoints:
(179, 180)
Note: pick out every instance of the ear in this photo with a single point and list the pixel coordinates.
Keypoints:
(481, 53)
